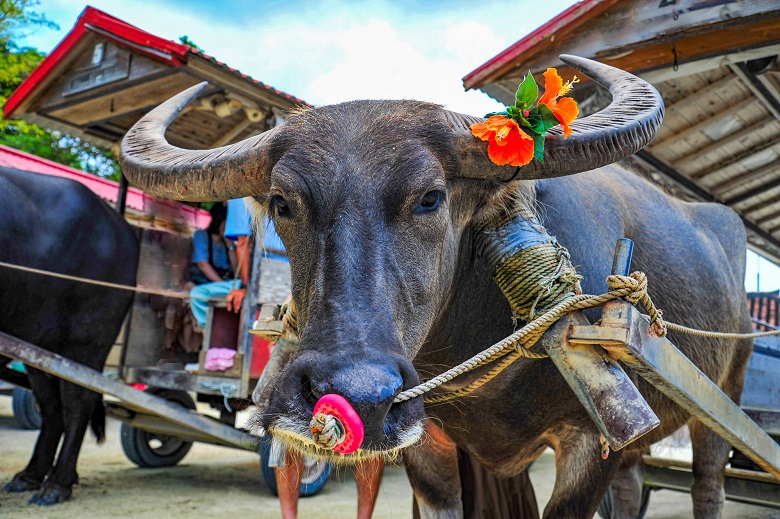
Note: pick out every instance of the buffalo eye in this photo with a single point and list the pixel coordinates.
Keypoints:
(279, 206)
(431, 201)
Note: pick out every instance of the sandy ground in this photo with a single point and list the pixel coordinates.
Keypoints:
(220, 482)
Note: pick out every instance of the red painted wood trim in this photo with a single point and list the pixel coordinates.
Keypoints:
(564, 23)
(95, 18)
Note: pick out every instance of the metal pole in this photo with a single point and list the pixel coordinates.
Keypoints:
(621, 264)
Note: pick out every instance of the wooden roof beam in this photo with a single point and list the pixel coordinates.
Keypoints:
(726, 185)
(706, 123)
(771, 216)
(732, 137)
(760, 190)
(232, 133)
(703, 195)
(716, 85)
(717, 168)
(770, 102)
(761, 205)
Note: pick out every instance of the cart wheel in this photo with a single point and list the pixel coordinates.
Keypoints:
(147, 449)
(315, 473)
(605, 507)
(25, 409)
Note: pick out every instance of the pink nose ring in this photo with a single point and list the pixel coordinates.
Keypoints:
(336, 425)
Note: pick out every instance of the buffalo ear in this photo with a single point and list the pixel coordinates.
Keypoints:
(624, 127)
(161, 169)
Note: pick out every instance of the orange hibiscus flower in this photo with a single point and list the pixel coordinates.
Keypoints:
(564, 108)
(507, 143)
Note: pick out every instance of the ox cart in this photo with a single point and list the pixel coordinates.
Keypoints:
(153, 395)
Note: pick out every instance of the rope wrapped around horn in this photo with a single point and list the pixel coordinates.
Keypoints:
(624, 127)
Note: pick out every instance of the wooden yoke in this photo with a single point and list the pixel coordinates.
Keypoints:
(613, 402)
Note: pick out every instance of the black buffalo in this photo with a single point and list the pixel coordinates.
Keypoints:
(380, 205)
(58, 225)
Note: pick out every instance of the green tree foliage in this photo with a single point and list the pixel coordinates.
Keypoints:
(17, 16)
(16, 63)
(187, 41)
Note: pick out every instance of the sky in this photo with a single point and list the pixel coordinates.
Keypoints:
(331, 51)
(328, 51)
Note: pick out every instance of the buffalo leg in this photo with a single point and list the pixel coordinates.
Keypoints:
(581, 476)
(47, 394)
(710, 453)
(432, 468)
(78, 405)
(626, 487)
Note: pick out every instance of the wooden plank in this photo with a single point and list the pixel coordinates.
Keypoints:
(703, 124)
(120, 103)
(667, 463)
(606, 392)
(78, 374)
(734, 159)
(231, 134)
(216, 74)
(730, 138)
(726, 185)
(720, 84)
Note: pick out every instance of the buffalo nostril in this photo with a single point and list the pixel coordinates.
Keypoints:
(310, 394)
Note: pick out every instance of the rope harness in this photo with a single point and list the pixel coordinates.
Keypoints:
(536, 275)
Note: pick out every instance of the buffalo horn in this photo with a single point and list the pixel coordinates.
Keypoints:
(624, 127)
(159, 168)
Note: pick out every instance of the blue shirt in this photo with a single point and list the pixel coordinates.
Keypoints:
(200, 250)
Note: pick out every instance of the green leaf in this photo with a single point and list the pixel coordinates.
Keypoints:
(527, 93)
(539, 148)
(547, 117)
(534, 122)
(504, 113)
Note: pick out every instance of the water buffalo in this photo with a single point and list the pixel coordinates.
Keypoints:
(380, 204)
(58, 225)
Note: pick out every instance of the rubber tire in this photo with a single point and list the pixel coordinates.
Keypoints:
(136, 443)
(25, 409)
(605, 507)
(315, 475)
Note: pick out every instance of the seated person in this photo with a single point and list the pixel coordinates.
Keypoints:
(214, 262)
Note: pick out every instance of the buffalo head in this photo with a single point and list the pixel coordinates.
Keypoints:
(374, 201)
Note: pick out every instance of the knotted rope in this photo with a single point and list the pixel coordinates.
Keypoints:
(327, 430)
